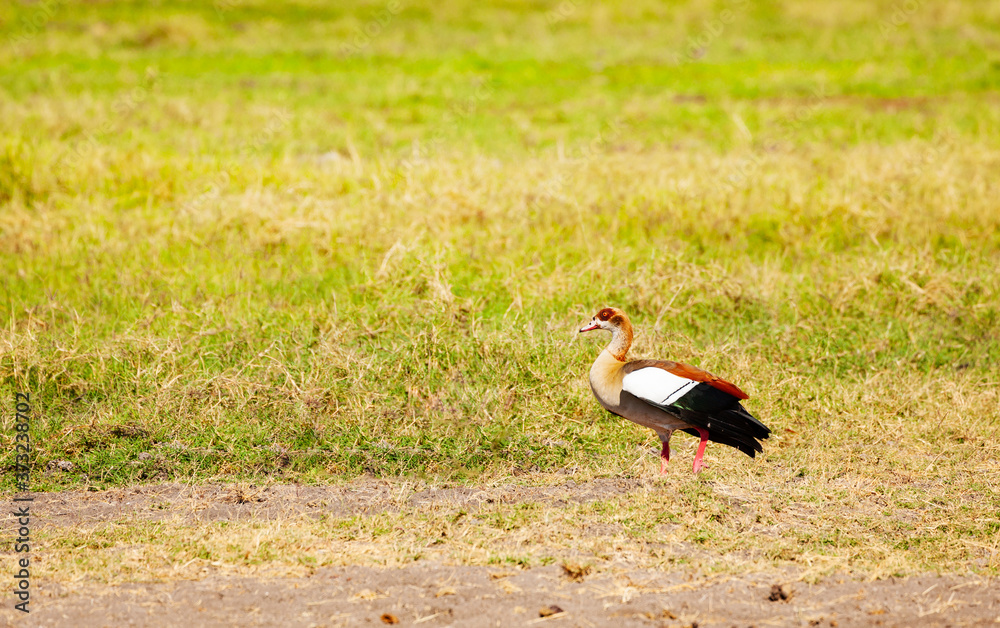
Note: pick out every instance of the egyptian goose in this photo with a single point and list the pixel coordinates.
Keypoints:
(668, 396)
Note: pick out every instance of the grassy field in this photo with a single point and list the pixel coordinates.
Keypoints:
(264, 243)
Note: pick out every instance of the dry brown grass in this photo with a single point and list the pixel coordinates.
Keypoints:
(237, 277)
(884, 457)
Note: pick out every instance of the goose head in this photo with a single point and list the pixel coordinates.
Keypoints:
(611, 319)
(615, 321)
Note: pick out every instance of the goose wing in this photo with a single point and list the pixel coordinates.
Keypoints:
(699, 398)
(663, 383)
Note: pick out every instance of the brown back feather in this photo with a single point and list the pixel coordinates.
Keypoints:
(691, 372)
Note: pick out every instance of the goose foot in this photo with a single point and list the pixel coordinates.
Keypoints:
(699, 464)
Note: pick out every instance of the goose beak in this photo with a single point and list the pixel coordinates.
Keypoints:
(591, 327)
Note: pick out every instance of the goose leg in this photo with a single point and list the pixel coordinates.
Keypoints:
(698, 464)
(665, 452)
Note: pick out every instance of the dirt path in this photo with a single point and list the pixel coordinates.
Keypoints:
(430, 593)
(435, 595)
(215, 502)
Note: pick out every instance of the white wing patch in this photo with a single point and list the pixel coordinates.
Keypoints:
(656, 385)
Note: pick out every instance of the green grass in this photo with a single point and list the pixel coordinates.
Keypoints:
(233, 241)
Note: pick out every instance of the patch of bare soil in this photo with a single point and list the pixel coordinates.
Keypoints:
(436, 595)
(432, 594)
(215, 502)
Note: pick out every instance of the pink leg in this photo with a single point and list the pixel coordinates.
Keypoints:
(664, 457)
(698, 464)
